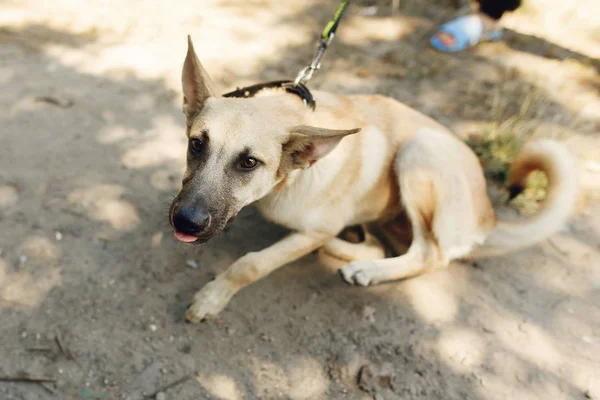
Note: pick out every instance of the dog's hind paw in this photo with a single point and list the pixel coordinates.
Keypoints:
(358, 273)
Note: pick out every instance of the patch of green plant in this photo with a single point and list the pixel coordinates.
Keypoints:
(501, 142)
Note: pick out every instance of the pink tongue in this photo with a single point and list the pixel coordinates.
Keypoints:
(185, 238)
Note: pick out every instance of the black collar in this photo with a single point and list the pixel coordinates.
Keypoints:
(299, 90)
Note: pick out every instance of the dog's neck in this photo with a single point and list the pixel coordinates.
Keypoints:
(289, 110)
(284, 104)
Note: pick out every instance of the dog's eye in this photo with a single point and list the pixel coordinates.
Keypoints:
(195, 146)
(249, 163)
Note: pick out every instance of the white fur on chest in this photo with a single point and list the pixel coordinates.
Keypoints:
(295, 214)
(297, 206)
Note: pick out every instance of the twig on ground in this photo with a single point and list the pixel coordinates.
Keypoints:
(39, 348)
(557, 249)
(26, 378)
(47, 387)
(169, 386)
(55, 101)
(63, 349)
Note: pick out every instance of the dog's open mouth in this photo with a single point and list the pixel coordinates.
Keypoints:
(182, 237)
(186, 238)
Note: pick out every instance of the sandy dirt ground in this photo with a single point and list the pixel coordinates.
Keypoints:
(93, 287)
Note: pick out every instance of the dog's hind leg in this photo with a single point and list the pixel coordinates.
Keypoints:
(338, 252)
(422, 255)
(441, 202)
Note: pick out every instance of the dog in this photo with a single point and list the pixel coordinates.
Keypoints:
(354, 160)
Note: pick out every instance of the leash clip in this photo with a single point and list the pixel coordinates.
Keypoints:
(327, 36)
(307, 72)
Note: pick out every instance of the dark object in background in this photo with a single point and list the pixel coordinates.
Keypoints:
(496, 8)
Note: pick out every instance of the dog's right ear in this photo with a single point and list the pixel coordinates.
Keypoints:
(197, 85)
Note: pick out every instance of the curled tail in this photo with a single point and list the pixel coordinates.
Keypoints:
(559, 167)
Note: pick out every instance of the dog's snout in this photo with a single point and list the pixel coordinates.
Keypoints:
(191, 220)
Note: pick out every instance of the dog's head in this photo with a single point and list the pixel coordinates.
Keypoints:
(238, 151)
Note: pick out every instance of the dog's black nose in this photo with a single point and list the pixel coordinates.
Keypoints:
(190, 220)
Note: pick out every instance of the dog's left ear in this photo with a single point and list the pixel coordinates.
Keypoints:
(197, 85)
(308, 144)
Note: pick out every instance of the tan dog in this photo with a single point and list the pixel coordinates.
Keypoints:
(312, 172)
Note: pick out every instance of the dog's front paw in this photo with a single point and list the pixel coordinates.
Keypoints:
(209, 301)
(359, 273)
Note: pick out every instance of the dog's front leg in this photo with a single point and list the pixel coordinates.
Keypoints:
(215, 295)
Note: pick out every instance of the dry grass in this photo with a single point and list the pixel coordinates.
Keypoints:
(509, 130)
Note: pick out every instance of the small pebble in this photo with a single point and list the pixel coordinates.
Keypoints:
(156, 239)
(164, 370)
(38, 336)
(24, 334)
(161, 396)
(106, 382)
(9, 197)
(61, 371)
(22, 259)
(588, 339)
(368, 313)
(58, 236)
(171, 338)
(153, 327)
(191, 263)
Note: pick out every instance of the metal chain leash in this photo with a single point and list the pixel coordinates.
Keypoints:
(327, 36)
